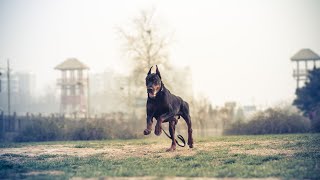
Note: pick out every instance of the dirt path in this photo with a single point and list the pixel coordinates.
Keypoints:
(145, 150)
(108, 151)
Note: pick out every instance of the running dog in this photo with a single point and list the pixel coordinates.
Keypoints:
(165, 107)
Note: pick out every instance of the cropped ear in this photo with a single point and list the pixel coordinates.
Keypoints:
(150, 70)
(158, 72)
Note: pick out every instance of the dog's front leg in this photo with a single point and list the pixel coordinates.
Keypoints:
(158, 128)
(149, 125)
(160, 120)
(172, 128)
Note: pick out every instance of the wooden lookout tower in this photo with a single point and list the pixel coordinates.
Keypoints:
(306, 60)
(73, 83)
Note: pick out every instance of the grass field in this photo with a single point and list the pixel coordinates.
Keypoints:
(265, 156)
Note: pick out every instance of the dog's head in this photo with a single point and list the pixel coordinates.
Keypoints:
(153, 83)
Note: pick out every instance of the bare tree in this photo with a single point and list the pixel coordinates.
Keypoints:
(146, 46)
(199, 110)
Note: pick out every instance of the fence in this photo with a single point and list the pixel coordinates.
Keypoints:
(9, 123)
(14, 123)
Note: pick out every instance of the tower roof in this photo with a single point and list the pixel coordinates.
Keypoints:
(305, 54)
(71, 63)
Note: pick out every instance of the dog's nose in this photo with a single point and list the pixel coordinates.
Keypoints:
(149, 89)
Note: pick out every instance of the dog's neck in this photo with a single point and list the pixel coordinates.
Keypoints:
(162, 86)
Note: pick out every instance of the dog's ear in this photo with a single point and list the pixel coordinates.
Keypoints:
(158, 72)
(150, 70)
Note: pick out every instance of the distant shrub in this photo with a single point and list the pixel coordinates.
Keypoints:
(40, 130)
(53, 129)
(271, 121)
(315, 120)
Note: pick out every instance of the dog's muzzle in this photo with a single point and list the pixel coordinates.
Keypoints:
(152, 93)
(149, 90)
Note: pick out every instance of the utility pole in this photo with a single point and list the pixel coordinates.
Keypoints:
(0, 80)
(8, 88)
(1, 110)
(88, 96)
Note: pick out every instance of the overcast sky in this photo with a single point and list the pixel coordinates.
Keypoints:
(238, 50)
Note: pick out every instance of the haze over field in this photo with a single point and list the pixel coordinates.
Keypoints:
(237, 50)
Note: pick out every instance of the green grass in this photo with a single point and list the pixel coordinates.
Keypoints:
(302, 160)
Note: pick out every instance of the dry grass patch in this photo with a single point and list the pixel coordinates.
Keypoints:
(170, 178)
(110, 151)
(34, 173)
(153, 150)
(262, 151)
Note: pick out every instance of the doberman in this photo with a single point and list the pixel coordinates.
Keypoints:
(165, 107)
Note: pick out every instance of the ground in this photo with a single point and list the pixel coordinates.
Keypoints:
(234, 157)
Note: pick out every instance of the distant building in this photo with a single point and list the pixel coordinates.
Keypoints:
(26, 83)
(97, 83)
(110, 92)
(230, 105)
(248, 110)
(22, 89)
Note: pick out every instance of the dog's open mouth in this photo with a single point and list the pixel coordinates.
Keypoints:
(152, 94)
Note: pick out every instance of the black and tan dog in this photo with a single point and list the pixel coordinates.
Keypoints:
(165, 107)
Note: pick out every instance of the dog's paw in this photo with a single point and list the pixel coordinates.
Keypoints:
(172, 148)
(190, 142)
(190, 145)
(157, 131)
(146, 132)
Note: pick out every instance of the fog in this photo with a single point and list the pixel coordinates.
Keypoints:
(224, 51)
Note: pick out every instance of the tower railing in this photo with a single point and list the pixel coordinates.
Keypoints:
(71, 81)
(300, 72)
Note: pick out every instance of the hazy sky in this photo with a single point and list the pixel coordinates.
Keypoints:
(237, 50)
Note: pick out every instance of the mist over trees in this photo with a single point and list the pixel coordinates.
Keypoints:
(278, 120)
(145, 45)
(287, 119)
(118, 102)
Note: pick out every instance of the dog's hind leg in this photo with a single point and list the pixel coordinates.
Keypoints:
(163, 118)
(190, 139)
(186, 116)
(172, 128)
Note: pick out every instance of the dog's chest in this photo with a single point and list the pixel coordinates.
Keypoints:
(159, 108)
